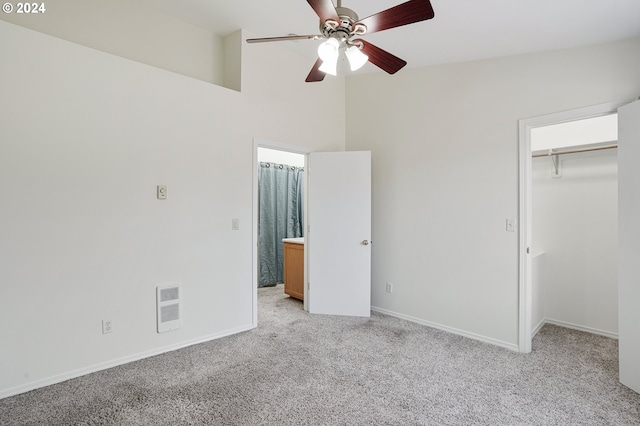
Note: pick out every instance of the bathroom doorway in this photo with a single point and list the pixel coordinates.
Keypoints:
(337, 255)
(281, 183)
(279, 214)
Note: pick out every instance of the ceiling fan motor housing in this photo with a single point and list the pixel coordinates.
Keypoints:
(344, 29)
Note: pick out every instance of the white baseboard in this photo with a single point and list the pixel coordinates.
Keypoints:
(485, 339)
(115, 362)
(581, 328)
(537, 328)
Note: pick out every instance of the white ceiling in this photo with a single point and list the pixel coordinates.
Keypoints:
(462, 30)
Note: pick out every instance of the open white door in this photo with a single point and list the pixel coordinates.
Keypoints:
(339, 233)
(628, 244)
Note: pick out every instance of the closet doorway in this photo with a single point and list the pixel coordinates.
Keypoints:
(628, 270)
(565, 172)
(574, 171)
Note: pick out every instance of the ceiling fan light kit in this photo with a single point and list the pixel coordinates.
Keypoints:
(339, 27)
(356, 58)
(329, 52)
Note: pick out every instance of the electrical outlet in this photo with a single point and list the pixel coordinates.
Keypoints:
(161, 192)
(107, 327)
(389, 287)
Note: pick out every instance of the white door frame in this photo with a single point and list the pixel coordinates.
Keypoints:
(264, 143)
(628, 294)
(525, 293)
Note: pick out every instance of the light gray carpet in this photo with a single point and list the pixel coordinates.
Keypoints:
(301, 369)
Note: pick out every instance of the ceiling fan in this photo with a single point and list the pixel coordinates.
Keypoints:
(341, 27)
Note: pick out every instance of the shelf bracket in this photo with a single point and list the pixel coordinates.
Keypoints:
(555, 158)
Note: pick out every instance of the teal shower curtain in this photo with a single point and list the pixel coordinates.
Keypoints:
(280, 213)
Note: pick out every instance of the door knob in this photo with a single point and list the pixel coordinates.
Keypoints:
(365, 242)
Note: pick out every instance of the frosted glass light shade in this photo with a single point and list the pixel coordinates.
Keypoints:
(329, 50)
(356, 58)
(329, 67)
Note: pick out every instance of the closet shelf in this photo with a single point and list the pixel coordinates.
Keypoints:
(573, 150)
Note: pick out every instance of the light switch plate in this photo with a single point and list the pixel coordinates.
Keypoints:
(511, 225)
(162, 192)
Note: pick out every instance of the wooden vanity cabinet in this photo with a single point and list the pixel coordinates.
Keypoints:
(294, 270)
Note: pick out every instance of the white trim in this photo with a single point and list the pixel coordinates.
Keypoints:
(474, 336)
(524, 203)
(525, 295)
(564, 324)
(116, 362)
(538, 327)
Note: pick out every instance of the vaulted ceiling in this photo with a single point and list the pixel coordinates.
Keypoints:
(462, 30)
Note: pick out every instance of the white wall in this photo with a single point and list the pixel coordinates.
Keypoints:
(575, 223)
(85, 138)
(444, 142)
(132, 30)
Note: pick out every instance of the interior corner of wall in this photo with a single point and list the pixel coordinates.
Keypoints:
(233, 60)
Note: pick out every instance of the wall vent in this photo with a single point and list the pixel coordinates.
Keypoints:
(169, 307)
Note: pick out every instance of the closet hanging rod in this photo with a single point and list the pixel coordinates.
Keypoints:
(573, 151)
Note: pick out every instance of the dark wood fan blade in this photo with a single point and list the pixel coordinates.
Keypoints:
(381, 58)
(397, 16)
(315, 74)
(324, 9)
(284, 38)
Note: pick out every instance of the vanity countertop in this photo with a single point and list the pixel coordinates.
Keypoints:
(299, 240)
